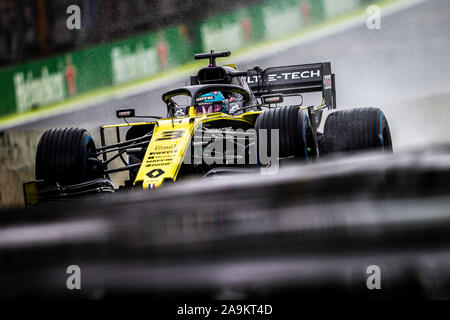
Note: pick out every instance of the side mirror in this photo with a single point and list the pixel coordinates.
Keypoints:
(125, 113)
(272, 99)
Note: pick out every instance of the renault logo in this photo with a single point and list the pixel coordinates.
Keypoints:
(155, 173)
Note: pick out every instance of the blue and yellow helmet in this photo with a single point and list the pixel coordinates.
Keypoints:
(210, 102)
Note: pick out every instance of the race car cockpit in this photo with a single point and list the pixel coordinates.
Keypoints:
(203, 99)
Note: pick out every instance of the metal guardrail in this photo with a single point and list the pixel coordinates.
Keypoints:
(308, 230)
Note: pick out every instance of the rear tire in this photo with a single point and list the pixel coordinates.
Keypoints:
(296, 137)
(62, 156)
(356, 129)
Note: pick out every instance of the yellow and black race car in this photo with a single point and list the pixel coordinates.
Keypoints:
(226, 121)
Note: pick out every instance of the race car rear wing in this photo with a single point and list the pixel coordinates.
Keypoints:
(294, 79)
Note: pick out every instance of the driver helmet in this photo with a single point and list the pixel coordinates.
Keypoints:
(210, 102)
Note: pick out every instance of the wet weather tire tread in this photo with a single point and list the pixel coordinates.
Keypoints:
(356, 129)
(290, 122)
(61, 154)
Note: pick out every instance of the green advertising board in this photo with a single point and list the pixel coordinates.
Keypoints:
(41, 83)
(225, 32)
(44, 82)
(32, 84)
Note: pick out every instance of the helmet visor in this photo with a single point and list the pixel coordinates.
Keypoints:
(208, 108)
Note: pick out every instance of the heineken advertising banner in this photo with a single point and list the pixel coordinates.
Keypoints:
(48, 81)
(335, 8)
(42, 83)
(226, 32)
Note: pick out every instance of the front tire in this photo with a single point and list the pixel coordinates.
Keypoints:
(62, 156)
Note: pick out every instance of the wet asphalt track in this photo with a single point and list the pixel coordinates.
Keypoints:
(402, 68)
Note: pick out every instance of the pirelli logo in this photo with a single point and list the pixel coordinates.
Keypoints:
(170, 135)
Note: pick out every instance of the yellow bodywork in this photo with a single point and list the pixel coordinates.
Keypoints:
(169, 144)
(165, 152)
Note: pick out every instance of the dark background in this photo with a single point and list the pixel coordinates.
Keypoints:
(35, 28)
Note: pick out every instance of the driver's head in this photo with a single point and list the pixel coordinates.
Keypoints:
(210, 102)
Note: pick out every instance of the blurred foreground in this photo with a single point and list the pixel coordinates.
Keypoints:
(309, 231)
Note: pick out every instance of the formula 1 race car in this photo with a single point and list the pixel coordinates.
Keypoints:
(226, 121)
